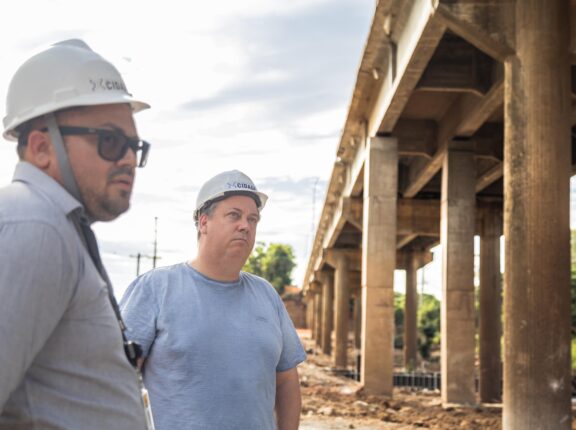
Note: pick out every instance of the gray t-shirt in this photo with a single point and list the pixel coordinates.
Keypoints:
(62, 363)
(213, 348)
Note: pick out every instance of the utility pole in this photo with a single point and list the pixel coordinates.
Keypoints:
(313, 225)
(138, 257)
(155, 255)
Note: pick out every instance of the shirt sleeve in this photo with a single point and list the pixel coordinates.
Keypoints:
(140, 307)
(36, 286)
(292, 350)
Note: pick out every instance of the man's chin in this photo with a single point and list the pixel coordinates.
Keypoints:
(239, 252)
(110, 211)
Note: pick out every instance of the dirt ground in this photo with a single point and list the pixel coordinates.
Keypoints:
(335, 402)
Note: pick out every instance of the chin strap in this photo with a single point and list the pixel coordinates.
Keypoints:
(68, 180)
(86, 234)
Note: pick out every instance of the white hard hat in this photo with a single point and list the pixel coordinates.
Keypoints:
(228, 184)
(66, 74)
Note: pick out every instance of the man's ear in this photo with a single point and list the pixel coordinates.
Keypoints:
(39, 151)
(202, 223)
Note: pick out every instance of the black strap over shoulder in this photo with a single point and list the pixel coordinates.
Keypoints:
(132, 349)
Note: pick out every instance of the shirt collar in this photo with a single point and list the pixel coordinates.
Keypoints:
(30, 174)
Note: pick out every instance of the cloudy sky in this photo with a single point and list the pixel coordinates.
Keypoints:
(258, 85)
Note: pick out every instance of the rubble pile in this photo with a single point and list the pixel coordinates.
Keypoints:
(327, 396)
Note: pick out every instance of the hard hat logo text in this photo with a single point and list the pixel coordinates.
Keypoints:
(107, 85)
(240, 185)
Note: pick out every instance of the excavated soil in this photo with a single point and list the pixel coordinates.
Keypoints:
(333, 402)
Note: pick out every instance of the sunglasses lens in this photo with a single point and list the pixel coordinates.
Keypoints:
(143, 151)
(112, 146)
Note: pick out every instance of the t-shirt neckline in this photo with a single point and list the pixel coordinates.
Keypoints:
(214, 282)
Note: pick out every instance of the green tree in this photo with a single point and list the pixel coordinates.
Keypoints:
(573, 278)
(428, 323)
(254, 263)
(399, 303)
(573, 294)
(274, 263)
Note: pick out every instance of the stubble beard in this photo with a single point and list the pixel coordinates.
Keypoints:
(105, 208)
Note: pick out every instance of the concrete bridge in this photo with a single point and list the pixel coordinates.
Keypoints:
(459, 125)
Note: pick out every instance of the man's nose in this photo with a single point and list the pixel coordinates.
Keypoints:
(243, 224)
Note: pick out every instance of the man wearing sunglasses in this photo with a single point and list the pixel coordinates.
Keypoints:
(63, 355)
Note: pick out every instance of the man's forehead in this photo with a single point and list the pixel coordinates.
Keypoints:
(118, 114)
(241, 203)
(115, 110)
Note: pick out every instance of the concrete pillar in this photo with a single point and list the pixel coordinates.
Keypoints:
(327, 280)
(342, 301)
(537, 157)
(490, 306)
(378, 264)
(356, 296)
(318, 316)
(314, 287)
(357, 318)
(411, 314)
(457, 239)
(310, 312)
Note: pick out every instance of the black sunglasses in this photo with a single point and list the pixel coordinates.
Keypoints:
(112, 144)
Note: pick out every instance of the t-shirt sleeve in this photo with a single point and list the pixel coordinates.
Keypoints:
(140, 307)
(292, 350)
(36, 286)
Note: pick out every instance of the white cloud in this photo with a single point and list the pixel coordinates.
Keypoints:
(278, 75)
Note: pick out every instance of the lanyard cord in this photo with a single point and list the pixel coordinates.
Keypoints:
(131, 349)
(87, 236)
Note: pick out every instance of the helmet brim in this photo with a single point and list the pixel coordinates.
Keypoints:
(259, 198)
(10, 132)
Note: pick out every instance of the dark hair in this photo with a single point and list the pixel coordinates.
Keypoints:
(23, 131)
(207, 210)
(27, 127)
